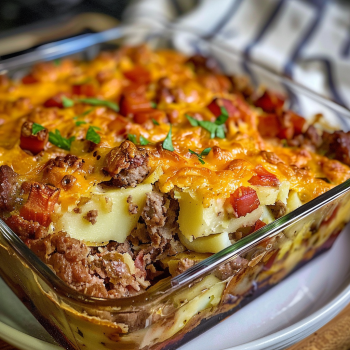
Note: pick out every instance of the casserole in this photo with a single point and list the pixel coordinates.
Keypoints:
(176, 309)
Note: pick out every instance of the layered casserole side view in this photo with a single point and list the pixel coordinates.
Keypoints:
(125, 171)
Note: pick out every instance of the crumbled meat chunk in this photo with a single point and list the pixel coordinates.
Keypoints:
(127, 164)
(91, 216)
(68, 181)
(337, 146)
(183, 265)
(231, 268)
(56, 169)
(8, 188)
(278, 209)
(132, 207)
(271, 157)
(26, 229)
(202, 64)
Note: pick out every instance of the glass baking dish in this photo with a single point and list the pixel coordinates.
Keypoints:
(176, 310)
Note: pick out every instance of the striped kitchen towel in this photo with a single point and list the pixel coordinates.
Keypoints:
(309, 41)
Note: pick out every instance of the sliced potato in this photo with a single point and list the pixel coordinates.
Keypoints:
(293, 201)
(113, 222)
(209, 244)
(197, 221)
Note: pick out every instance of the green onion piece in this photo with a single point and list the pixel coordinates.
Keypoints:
(80, 122)
(154, 122)
(153, 104)
(132, 138)
(205, 152)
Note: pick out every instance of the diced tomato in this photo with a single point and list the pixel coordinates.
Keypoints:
(263, 178)
(132, 103)
(244, 200)
(269, 125)
(144, 116)
(297, 121)
(41, 202)
(30, 142)
(286, 133)
(270, 102)
(56, 101)
(217, 103)
(29, 79)
(259, 224)
(138, 75)
(119, 125)
(88, 90)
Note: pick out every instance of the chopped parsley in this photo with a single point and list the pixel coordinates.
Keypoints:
(153, 104)
(205, 152)
(67, 102)
(133, 139)
(58, 140)
(36, 128)
(168, 143)
(80, 122)
(154, 122)
(83, 114)
(143, 141)
(97, 102)
(92, 135)
(215, 128)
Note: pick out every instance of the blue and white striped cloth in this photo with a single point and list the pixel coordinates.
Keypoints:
(308, 41)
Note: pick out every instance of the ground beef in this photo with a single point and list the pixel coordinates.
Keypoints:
(229, 269)
(8, 188)
(127, 164)
(278, 209)
(26, 229)
(132, 207)
(337, 146)
(91, 216)
(183, 265)
(160, 219)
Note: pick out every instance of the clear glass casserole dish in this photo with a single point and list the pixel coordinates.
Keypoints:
(175, 310)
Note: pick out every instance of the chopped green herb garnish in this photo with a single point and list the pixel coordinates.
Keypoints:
(98, 102)
(215, 129)
(154, 122)
(67, 102)
(80, 122)
(36, 128)
(58, 140)
(205, 152)
(92, 135)
(168, 143)
(143, 141)
(132, 138)
(221, 119)
(83, 114)
(193, 122)
(153, 104)
(57, 62)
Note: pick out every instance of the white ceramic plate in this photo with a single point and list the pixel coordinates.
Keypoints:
(287, 313)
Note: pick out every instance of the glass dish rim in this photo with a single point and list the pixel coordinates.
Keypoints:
(166, 286)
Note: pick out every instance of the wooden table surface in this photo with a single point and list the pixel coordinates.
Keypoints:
(333, 336)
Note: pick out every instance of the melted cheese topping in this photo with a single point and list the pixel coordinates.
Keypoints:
(21, 102)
